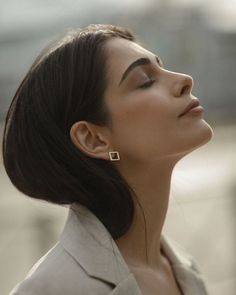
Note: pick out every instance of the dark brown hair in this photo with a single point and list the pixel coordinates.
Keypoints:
(66, 84)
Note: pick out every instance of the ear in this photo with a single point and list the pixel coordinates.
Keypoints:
(90, 139)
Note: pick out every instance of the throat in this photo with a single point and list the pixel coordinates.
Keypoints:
(157, 281)
(141, 244)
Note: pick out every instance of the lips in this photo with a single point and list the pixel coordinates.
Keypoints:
(193, 104)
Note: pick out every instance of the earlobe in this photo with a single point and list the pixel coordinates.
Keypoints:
(89, 139)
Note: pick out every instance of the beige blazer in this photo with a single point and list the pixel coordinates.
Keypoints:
(86, 261)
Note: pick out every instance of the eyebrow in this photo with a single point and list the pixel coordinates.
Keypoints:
(139, 62)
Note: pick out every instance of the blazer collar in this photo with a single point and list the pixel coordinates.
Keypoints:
(91, 245)
(175, 253)
(184, 267)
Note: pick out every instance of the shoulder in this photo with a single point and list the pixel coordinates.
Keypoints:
(57, 272)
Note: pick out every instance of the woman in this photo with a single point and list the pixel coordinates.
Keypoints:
(99, 123)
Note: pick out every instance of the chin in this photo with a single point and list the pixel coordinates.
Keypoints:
(201, 136)
(196, 138)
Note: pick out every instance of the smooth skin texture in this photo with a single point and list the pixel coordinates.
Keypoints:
(145, 101)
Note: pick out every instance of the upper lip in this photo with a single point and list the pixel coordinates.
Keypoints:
(193, 103)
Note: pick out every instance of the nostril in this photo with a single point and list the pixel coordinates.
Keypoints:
(185, 89)
(183, 86)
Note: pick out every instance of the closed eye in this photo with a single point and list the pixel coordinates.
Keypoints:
(147, 84)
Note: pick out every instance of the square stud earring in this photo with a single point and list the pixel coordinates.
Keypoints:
(114, 156)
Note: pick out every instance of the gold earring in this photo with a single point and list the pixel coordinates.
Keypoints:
(114, 156)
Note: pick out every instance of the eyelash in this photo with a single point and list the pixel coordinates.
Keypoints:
(147, 84)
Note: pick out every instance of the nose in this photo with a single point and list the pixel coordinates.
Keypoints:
(183, 85)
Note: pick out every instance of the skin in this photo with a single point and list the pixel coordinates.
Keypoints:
(150, 138)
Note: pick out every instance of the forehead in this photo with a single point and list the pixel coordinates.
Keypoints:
(121, 53)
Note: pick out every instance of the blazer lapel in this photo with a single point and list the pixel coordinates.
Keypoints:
(89, 242)
(184, 268)
(128, 287)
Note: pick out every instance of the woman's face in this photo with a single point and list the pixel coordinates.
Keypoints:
(145, 101)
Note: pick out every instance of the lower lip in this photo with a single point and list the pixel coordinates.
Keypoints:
(194, 111)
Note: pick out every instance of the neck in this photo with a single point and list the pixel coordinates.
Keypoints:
(141, 245)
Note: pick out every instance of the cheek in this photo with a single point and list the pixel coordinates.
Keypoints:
(146, 131)
(142, 126)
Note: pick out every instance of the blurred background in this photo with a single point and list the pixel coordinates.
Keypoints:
(195, 37)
